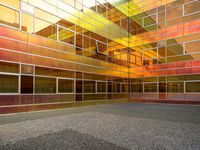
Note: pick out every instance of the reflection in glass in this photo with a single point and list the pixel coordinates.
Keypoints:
(101, 87)
(192, 87)
(175, 87)
(9, 17)
(8, 84)
(45, 29)
(26, 84)
(65, 86)
(89, 86)
(150, 87)
(45, 85)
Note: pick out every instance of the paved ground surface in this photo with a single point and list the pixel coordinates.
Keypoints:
(126, 126)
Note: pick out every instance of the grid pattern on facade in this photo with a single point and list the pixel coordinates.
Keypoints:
(55, 51)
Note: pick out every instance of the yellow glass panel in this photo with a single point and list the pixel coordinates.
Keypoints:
(27, 23)
(46, 16)
(9, 17)
(45, 29)
(66, 35)
(12, 3)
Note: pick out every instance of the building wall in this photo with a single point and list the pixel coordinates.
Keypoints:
(166, 64)
(50, 55)
(59, 51)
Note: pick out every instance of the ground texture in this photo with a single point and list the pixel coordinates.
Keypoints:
(125, 126)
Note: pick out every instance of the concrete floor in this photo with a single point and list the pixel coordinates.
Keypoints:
(125, 126)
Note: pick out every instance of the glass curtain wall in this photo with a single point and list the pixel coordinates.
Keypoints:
(80, 50)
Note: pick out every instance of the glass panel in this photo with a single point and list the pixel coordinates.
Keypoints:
(27, 8)
(192, 77)
(45, 85)
(45, 29)
(94, 76)
(171, 41)
(116, 87)
(79, 75)
(27, 23)
(150, 20)
(101, 9)
(174, 13)
(93, 46)
(53, 2)
(124, 24)
(137, 87)
(102, 48)
(101, 87)
(124, 87)
(69, 2)
(192, 47)
(12, 3)
(79, 5)
(109, 85)
(53, 72)
(65, 86)
(175, 78)
(9, 67)
(124, 56)
(175, 87)
(26, 84)
(9, 17)
(8, 84)
(161, 52)
(162, 87)
(161, 60)
(26, 69)
(66, 24)
(86, 42)
(150, 87)
(79, 51)
(79, 85)
(174, 50)
(161, 17)
(148, 54)
(79, 40)
(89, 87)
(66, 36)
(192, 86)
(192, 7)
(46, 16)
(150, 79)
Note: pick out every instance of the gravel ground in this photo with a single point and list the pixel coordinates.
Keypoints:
(133, 126)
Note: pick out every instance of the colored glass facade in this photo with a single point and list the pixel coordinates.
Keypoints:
(59, 51)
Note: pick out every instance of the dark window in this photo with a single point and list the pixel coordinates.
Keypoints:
(192, 86)
(109, 87)
(150, 87)
(175, 87)
(89, 87)
(8, 84)
(79, 84)
(124, 87)
(9, 67)
(116, 87)
(101, 87)
(65, 86)
(137, 87)
(45, 85)
(26, 84)
(162, 87)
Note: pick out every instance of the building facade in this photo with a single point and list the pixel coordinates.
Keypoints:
(56, 52)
